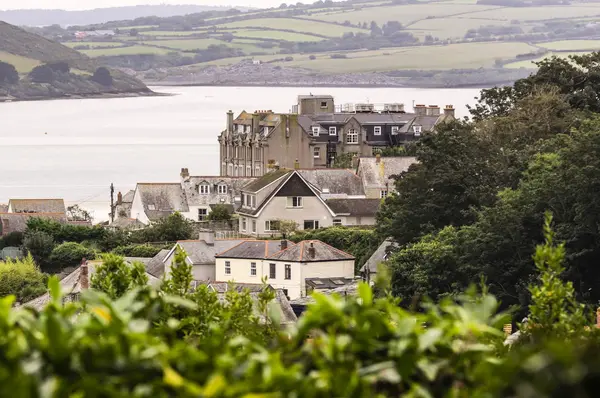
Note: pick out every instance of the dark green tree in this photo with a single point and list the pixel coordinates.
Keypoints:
(115, 277)
(42, 74)
(102, 76)
(219, 213)
(40, 245)
(8, 73)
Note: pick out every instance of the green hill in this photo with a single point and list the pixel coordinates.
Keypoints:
(26, 51)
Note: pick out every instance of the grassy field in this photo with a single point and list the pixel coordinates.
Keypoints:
(93, 44)
(536, 13)
(564, 45)
(167, 33)
(22, 64)
(137, 49)
(529, 63)
(447, 28)
(274, 34)
(184, 45)
(297, 25)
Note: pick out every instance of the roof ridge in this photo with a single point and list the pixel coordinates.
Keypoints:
(336, 249)
(301, 250)
(282, 250)
(29, 214)
(233, 247)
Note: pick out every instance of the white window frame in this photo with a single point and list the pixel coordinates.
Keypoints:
(253, 201)
(254, 226)
(294, 202)
(332, 130)
(383, 194)
(377, 130)
(266, 131)
(204, 189)
(395, 130)
(244, 224)
(316, 131)
(269, 225)
(227, 267)
(287, 272)
(272, 271)
(240, 128)
(352, 137)
(202, 217)
(316, 152)
(417, 130)
(253, 269)
(230, 169)
(248, 171)
(323, 106)
(222, 189)
(315, 224)
(337, 222)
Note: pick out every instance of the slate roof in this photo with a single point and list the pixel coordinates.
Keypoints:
(222, 287)
(128, 197)
(328, 283)
(17, 222)
(337, 181)
(162, 199)
(379, 255)
(234, 187)
(265, 180)
(201, 253)
(375, 175)
(3, 208)
(343, 291)
(254, 249)
(156, 265)
(354, 207)
(37, 205)
(127, 223)
(300, 252)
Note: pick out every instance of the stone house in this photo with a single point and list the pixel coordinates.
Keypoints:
(19, 211)
(317, 131)
(377, 173)
(285, 264)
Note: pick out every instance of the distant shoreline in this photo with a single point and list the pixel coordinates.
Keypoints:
(113, 95)
(324, 85)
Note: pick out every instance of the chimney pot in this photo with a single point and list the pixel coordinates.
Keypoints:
(311, 251)
(119, 198)
(84, 278)
(296, 164)
(185, 173)
(283, 244)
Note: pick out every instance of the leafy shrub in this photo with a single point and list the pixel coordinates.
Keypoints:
(137, 250)
(22, 278)
(42, 74)
(169, 229)
(40, 245)
(219, 213)
(65, 232)
(13, 239)
(8, 73)
(69, 254)
(115, 277)
(102, 76)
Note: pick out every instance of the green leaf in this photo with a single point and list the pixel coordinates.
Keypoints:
(179, 302)
(365, 293)
(430, 369)
(54, 287)
(429, 338)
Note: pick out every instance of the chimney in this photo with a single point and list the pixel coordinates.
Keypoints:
(449, 110)
(434, 110)
(283, 244)
(311, 251)
(420, 110)
(119, 198)
(208, 236)
(255, 122)
(296, 164)
(378, 158)
(84, 277)
(184, 173)
(230, 122)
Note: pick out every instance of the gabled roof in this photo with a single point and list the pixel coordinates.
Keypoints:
(128, 197)
(17, 222)
(156, 265)
(375, 175)
(380, 255)
(301, 253)
(194, 198)
(37, 205)
(334, 181)
(3, 208)
(254, 249)
(201, 253)
(223, 287)
(162, 199)
(354, 207)
(267, 179)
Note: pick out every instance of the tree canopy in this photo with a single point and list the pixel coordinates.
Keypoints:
(8, 73)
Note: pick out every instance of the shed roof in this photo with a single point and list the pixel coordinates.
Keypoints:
(354, 207)
(301, 253)
(37, 205)
(265, 180)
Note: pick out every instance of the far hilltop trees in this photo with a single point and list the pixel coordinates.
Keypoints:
(42, 74)
(102, 76)
(8, 73)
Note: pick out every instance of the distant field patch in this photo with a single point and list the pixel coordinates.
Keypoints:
(167, 33)
(573, 45)
(22, 64)
(132, 50)
(138, 27)
(529, 63)
(297, 25)
(92, 44)
(184, 45)
(536, 13)
(451, 28)
(275, 34)
(404, 13)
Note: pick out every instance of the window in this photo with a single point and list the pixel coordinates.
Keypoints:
(377, 130)
(244, 224)
(383, 194)
(222, 189)
(323, 104)
(294, 201)
(337, 221)
(151, 207)
(227, 267)
(395, 129)
(317, 152)
(230, 170)
(204, 189)
(254, 226)
(252, 269)
(332, 130)
(316, 130)
(237, 151)
(272, 225)
(288, 271)
(272, 271)
(253, 201)
(266, 130)
(352, 137)
(202, 214)
(240, 128)
(248, 171)
(257, 174)
(417, 130)
(311, 224)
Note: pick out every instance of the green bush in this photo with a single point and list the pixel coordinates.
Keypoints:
(65, 232)
(22, 278)
(137, 250)
(69, 254)
(13, 239)
(40, 245)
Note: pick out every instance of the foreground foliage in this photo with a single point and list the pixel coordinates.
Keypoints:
(22, 278)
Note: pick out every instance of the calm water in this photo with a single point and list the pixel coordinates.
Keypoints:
(74, 149)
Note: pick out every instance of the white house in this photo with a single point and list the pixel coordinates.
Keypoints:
(285, 264)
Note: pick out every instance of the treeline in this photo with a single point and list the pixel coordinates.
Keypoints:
(473, 205)
(51, 73)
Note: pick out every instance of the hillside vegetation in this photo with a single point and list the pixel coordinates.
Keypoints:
(67, 75)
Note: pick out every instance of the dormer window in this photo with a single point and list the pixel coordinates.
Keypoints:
(417, 130)
(315, 131)
(240, 128)
(395, 130)
(204, 189)
(222, 189)
(377, 130)
(332, 130)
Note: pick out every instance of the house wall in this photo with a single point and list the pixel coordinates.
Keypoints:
(199, 272)
(287, 148)
(329, 269)
(193, 213)
(356, 220)
(137, 208)
(311, 106)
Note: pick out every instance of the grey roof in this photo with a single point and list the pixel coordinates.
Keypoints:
(343, 291)
(156, 265)
(325, 96)
(234, 188)
(337, 181)
(282, 306)
(301, 253)
(265, 180)
(37, 205)
(162, 199)
(380, 255)
(376, 175)
(258, 249)
(201, 253)
(384, 118)
(222, 287)
(17, 222)
(127, 223)
(305, 122)
(143, 260)
(128, 197)
(427, 122)
(327, 283)
(3, 208)
(354, 207)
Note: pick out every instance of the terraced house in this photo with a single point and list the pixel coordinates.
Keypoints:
(317, 131)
